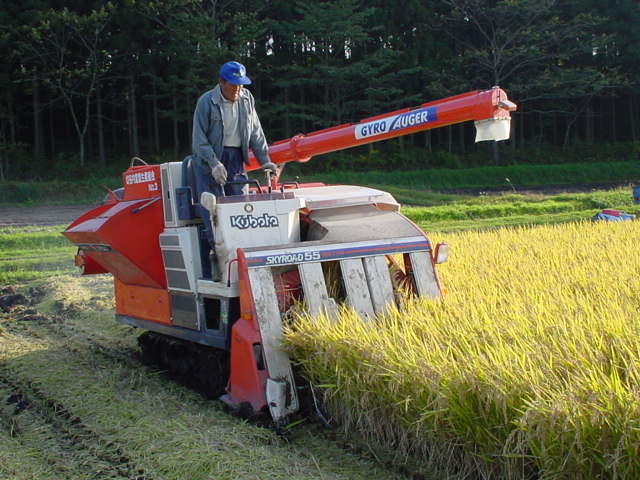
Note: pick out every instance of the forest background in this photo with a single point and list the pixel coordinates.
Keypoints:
(85, 85)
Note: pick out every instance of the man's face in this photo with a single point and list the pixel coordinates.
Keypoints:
(230, 91)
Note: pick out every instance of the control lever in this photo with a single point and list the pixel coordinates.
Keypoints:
(272, 179)
(249, 181)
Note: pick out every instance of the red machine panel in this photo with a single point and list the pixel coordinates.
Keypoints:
(141, 181)
(123, 239)
(142, 302)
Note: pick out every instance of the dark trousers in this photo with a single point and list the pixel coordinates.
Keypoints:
(232, 161)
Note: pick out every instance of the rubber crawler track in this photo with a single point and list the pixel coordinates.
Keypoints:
(202, 368)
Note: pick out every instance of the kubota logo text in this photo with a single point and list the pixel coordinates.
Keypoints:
(249, 221)
(396, 122)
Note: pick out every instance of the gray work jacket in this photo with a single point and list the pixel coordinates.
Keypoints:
(208, 128)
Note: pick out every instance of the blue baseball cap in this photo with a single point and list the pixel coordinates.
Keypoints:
(234, 73)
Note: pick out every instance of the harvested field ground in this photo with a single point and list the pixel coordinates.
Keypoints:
(77, 403)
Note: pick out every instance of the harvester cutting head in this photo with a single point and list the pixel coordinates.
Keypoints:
(328, 245)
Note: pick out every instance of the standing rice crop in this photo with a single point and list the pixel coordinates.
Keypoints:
(528, 368)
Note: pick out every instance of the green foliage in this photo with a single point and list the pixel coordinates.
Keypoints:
(387, 158)
(102, 79)
(490, 211)
(29, 253)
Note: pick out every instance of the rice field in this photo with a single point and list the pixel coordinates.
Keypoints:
(525, 370)
(528, 368)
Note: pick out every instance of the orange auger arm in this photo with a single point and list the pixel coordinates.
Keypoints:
(488, 108)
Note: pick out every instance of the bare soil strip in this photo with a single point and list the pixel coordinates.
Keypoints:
(41, 215)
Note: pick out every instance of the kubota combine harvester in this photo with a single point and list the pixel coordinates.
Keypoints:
(273, 246)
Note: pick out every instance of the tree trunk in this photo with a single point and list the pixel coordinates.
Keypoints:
(80, 131)
(156, 129)
(496, 153)
(114, 127)
(38, 147)
(303, 103)
(52, 136)
(68, 128)
(427, 141)
(532, 129)
(82, 154)
(541, 128)
(129, 129)
(567, 134)
(82, 146)
(461, 138)
(513, 134)
(287, 116)
(101, 151)
(3, 154)
(327, 109)
(176, 141)
(632, 119)
(589, 123)
(135, 140)
(449, 138)
(148, 143)
(89, 145)
(614, 133)
(190, 107)
(12, 117)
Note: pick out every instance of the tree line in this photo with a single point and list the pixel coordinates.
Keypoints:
(85, 82)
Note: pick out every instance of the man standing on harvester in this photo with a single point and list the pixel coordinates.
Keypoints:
(225, 126)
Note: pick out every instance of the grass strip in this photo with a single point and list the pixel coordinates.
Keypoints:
(28, 253)
(484, 224)
(91, 191)
(46, 238)
(492, 211)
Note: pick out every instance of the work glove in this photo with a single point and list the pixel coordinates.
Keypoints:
(270, 166)
(219, 173)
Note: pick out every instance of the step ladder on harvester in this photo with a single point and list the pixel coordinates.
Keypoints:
(357, 239)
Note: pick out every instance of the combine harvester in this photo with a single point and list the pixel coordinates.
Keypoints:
(273, 246)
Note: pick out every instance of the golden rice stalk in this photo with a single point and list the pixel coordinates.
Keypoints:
(527, 368)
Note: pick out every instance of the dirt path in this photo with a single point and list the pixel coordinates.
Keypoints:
(40, 215)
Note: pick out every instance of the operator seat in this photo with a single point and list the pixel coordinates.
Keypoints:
(189, 208)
